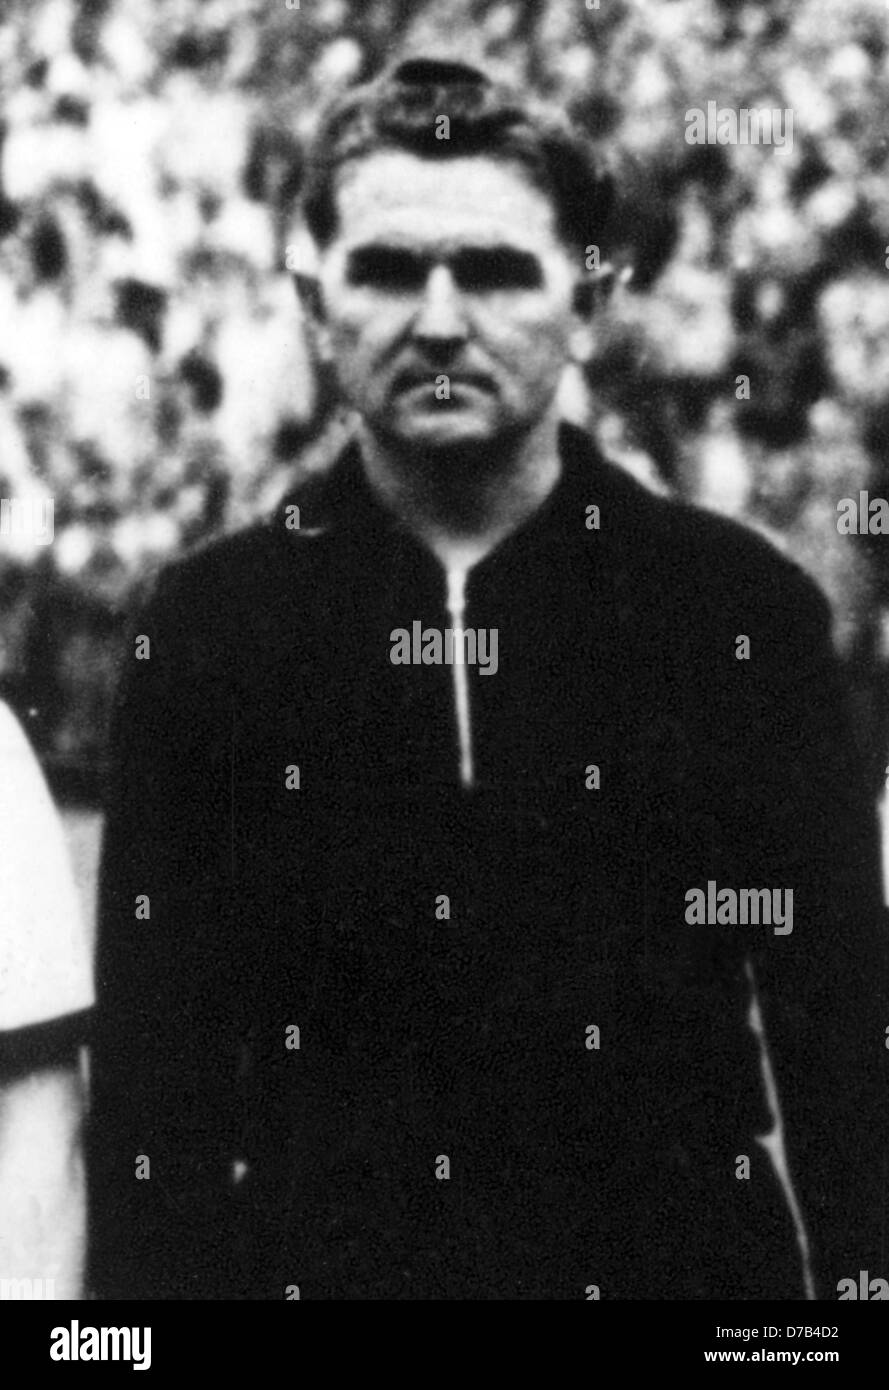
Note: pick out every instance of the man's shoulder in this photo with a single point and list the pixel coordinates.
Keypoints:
(224, 563)
(698, 560)
(237, 570)
(723, 554)
(715, 568)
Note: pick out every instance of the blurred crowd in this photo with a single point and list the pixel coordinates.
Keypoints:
(158, 385)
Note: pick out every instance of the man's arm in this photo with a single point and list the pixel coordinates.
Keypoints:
(824, 988)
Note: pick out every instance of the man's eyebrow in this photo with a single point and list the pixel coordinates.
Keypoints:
(489, 267)
(381, 263)
(474, 267)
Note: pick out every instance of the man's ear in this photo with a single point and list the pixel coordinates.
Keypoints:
(591, 294)
(308, 292)
(304, 264)
(594, 290)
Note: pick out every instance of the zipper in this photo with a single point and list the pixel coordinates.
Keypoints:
(456, 603)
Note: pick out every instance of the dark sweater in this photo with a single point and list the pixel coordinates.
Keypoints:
(423, 1038)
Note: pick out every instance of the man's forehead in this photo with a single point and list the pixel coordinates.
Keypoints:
(400, 199)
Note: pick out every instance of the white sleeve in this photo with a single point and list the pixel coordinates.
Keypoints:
(45, 965)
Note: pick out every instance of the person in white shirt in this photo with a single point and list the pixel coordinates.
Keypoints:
(46, 994)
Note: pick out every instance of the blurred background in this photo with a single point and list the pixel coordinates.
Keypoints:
(158, 385)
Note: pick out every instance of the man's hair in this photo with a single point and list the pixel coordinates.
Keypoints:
(400, 110)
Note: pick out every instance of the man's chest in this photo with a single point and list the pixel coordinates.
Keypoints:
(530, 928)
(551, 890)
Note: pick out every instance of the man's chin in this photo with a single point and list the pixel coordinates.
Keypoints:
(442, 430)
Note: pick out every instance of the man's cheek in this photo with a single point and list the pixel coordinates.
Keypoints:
(345, 336)
(351, 359)
(533, 364)
(531, 336)
(362, 344)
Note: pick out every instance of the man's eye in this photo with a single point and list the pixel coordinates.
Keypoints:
(386, 270)
(497, 270)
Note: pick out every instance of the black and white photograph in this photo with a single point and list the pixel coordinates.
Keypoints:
(444, 662)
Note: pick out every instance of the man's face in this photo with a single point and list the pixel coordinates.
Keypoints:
(448, 268)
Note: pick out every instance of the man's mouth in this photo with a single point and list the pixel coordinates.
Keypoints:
(435, 380)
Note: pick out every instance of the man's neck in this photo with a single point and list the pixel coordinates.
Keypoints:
(462, 504)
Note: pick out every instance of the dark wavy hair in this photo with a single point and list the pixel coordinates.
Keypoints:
(399, 110)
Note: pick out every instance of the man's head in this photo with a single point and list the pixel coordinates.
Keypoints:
(452, 220)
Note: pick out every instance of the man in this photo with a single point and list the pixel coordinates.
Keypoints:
(405, 987)
(46, 992)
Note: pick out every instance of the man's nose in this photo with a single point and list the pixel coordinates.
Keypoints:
(441, 318)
